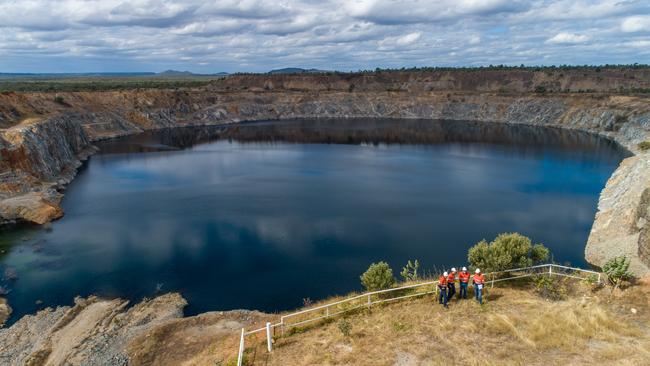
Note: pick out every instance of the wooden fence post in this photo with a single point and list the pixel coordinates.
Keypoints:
(240, 357)
(269, 339)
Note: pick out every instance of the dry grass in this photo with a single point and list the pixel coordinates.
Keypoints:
(514, 327)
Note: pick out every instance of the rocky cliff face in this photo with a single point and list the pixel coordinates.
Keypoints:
(40, 157)
(107, 332)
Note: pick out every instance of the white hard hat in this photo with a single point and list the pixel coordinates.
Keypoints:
(478, 270)
(445, 274)
(464, 268)
(453, 269)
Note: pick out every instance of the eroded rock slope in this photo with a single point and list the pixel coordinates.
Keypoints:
(107, 332)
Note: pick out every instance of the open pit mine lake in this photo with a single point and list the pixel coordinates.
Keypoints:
(261, 215)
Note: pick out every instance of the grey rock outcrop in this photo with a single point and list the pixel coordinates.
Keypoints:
(92, 332)
(38, 159)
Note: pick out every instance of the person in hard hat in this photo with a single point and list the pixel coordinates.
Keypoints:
(442, 287)
(479, 282)
(463, 278)
(451, 284)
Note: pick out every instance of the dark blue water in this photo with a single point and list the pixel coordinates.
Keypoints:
(256, 219)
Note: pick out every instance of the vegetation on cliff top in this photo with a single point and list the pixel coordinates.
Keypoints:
(101, 84)
(517, 323)
(172, 80)
(514, 327)
(506, 251)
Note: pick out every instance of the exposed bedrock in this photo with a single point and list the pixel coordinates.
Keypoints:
(107, 332)
(40, 156)
(621, 226)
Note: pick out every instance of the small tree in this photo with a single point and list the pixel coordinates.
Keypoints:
(410, 271)
(379, 276)
(506, 251)
(617, 270)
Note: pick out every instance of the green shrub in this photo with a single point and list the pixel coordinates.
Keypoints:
(592, 279)
(644, 145)
(345, 327)
(508, 250)
(552, 288)
(59, 100)
(379, 276)
(410, 271)
(617, 270)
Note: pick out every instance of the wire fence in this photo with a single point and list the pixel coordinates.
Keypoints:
(366, 300)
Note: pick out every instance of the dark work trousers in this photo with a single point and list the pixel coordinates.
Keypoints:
(478, 293)
(463, 290)
(442, 298)
(452, 290)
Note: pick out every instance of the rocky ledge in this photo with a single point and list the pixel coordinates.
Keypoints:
(5, 311)
(37, 160)
(107, 332)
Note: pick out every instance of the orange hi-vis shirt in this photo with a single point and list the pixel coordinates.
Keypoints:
(479, 279)
(451, 278)
(463, 277)
(442, 281)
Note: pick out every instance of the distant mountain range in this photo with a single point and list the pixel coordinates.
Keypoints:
(72, 75)
(166, 73)
(187, 73)
(295, 70)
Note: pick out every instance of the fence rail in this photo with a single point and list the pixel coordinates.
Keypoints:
(398, 293)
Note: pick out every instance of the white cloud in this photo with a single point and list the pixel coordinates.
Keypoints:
(640, 44)
(582, 9)
(568, 38)
(257, 35)
(423, 11)
(408, 39)
(636, 24)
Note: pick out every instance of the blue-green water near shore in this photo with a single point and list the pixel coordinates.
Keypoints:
(262, 215)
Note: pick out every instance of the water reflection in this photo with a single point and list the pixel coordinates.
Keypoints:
(260, 216)
(375, 131)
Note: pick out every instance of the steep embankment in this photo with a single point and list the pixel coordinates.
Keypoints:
(515, 326)
(99, 332)
(40, 157)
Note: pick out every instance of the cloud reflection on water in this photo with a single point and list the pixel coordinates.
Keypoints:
(262, 224)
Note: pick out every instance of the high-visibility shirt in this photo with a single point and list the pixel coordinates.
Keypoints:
(479, 279)
(463, 277)
(442, 281)
(451, 277)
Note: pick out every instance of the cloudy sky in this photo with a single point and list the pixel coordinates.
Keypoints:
(259, 35)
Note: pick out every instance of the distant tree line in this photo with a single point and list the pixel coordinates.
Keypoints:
(595, 68)
(96, 85)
